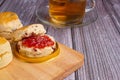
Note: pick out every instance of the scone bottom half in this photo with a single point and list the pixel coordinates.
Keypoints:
(37, 59)
(36, 46)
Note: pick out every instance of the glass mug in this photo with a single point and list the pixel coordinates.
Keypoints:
(68, 11)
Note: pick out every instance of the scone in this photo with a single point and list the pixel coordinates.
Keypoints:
(5, 52)
(34, 44)
(9, 21)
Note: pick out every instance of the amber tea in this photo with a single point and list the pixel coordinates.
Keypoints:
(67, 11)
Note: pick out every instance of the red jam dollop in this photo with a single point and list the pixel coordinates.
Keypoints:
(37, 41)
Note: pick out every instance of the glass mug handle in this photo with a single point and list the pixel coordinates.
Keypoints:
(91, 7)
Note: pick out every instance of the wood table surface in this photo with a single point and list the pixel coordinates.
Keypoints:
(99, 41)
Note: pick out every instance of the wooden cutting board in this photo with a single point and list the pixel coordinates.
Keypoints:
(54, 69)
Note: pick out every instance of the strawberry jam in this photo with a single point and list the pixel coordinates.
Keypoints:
(37, 41)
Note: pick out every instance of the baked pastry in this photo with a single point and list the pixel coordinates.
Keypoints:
(9, 21)
(5, 52)
(33, 43)
(26, 31)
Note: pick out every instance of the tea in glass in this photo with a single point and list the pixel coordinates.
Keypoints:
(67, 11)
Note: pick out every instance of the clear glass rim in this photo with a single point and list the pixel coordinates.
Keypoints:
(43, 16)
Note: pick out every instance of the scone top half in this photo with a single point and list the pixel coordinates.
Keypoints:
(27, 31)
(9, 21)
(33, 42)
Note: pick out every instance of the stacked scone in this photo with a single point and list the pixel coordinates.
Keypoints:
(33, 45)
(9, 21)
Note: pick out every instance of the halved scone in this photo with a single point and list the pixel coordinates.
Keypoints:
(33, 45)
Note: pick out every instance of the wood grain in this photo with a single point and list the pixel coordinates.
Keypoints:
(54, 69)
(1, 2)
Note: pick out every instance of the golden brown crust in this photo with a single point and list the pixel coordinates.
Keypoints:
(2, 40)
(9, 21)
(6, 17)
